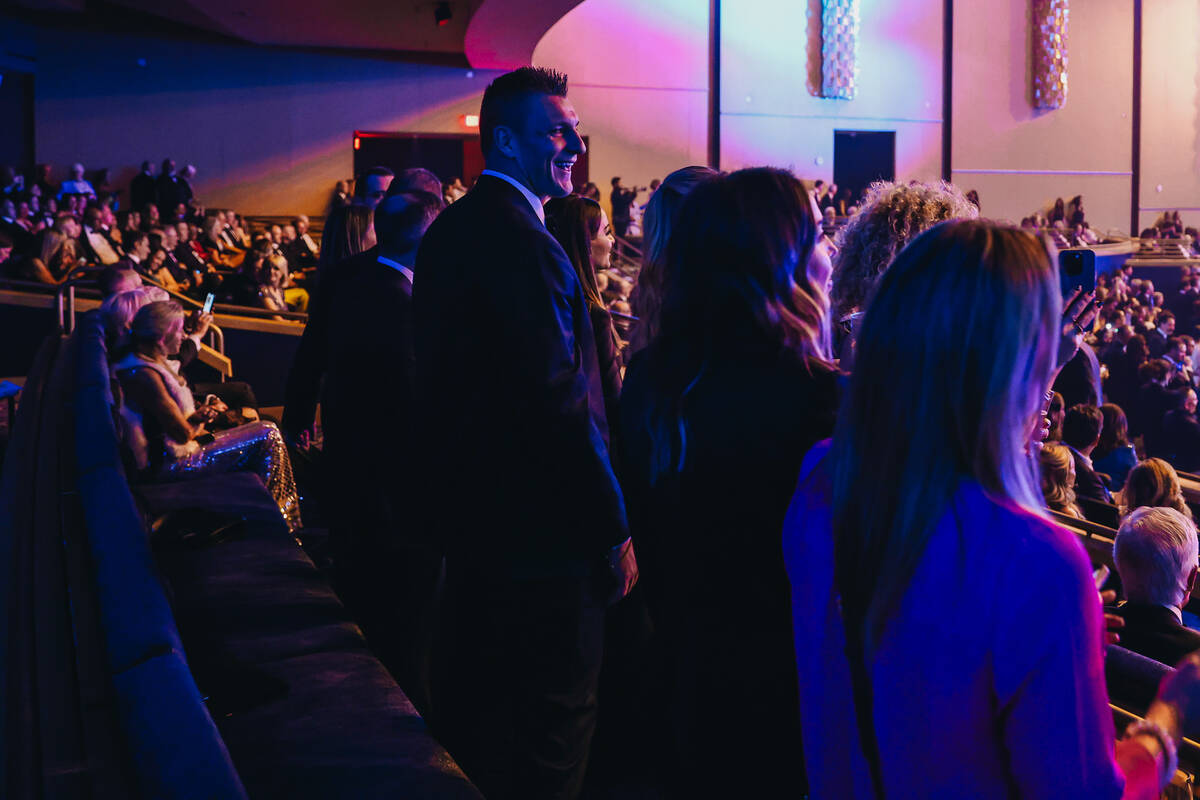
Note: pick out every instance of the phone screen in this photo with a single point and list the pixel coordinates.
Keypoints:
(1076, 270)
(208, 303)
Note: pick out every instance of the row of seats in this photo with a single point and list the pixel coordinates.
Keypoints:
(175, 664)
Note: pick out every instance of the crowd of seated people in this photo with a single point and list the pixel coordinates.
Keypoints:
(161, 230)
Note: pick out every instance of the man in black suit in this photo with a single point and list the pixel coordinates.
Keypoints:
(1156, 340)
(1081, 433)
(1156, 555)
(142, 189)
(517, 485)
(385, 575)
(168, 190)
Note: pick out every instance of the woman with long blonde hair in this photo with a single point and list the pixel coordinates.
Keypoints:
(948, 635)
(716, 413)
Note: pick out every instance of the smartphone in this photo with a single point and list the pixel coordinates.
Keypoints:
(1100, 575)
(1076, 270)
(208, 303)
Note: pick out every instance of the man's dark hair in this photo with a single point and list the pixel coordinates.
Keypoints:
(402, 219)
(502, 99)
(1154, 369)
(1163, 317)
(156, 239)
(132, 239)
(110, 277)
(360, 183)
(416, 179)
(1082, 425)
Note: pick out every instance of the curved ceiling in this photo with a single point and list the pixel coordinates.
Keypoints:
(377, 25)
(491, 34)
(503, 33)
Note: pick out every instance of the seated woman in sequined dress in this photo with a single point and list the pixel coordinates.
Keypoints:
(165, 431)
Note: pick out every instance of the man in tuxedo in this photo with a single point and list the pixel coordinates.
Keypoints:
(96, 246)
(516, 481)
(386, 576)
(1081, 433)
(1156, 340)
(142, 190)
(1156, 555)
(304, 250)
(137, 252)
(168, 190)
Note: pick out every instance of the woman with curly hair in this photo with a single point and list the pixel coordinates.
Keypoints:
(1153, 483)
(889, 217)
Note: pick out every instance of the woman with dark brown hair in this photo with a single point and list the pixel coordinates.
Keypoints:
(582, 228)
(716, 414)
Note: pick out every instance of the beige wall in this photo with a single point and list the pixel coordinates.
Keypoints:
(1171, 110)
(770, 117)
(639, 80)
(1020, 159)
(269, 130)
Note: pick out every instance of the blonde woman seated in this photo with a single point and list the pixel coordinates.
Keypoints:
(1153, 483)
(274, 292)
(1058, 479)
(165, 431)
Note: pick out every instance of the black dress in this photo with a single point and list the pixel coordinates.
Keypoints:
(708, 540)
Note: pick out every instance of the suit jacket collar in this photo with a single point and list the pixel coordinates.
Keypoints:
(1159, 616)
(507, 188)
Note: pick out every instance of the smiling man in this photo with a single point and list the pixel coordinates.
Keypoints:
(516, 482)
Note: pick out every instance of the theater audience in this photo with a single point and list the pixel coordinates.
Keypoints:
(1082, 425)
(716, 414)
(348, 231)
(1114, 456)
(384, 571)
(890, 216)
(304, 249)
(164, 430)
(1181, 432)
(56, 259)
(913, 681)
(372, 186)
(1123, 383)
(1154, 483)
(217, 248)
(509, 403)
(1058, 479)
(1156, 556)
(581, 227)
(662, 211)
(137, 251)
(117, 279)
(1055, 413)
(271, 278)
(1164, 328)
(76, 184)
(1151, 404)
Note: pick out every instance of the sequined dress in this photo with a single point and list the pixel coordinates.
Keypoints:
(256, 446)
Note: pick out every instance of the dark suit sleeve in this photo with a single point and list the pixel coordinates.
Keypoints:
(543, 300)
(308, 367)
